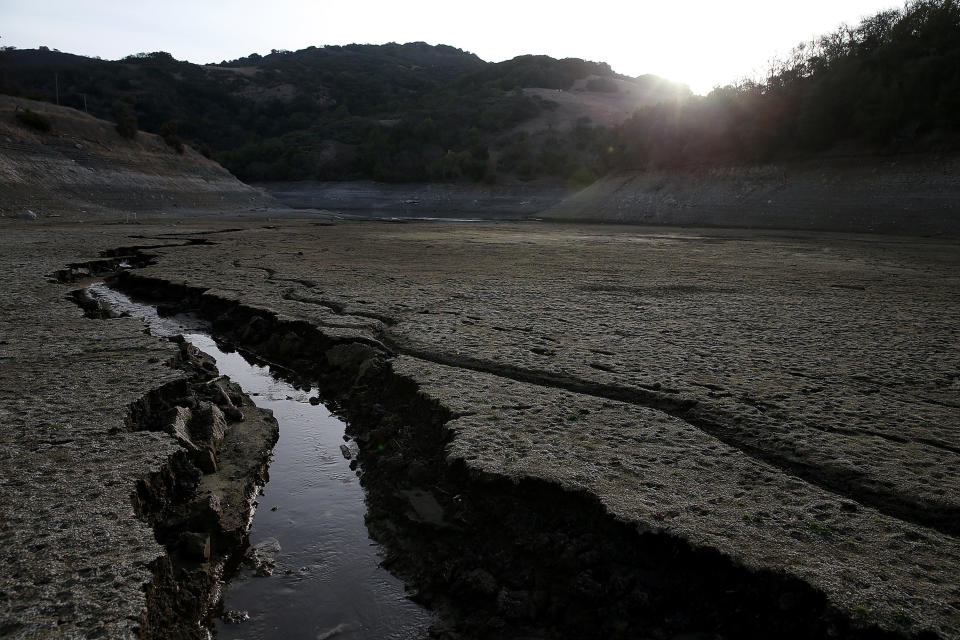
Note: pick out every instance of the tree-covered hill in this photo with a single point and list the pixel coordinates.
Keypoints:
(389, 112)
(417, 112)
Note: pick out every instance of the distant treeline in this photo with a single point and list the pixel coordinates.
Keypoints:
(417, 112)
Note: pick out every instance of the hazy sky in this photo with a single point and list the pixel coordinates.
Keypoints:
(701, 43)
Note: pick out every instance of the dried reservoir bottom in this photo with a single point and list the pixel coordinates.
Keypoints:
(490, 556)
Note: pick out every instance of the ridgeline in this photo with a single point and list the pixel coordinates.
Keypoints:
(410, 112)
(421, 113)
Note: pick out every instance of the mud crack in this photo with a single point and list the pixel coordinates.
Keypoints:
(722, 427)
(199, 503)
(500, 557)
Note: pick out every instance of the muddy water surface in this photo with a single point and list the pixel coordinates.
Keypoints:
(327, 582)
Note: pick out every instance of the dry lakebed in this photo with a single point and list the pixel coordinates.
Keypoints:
(561, 430)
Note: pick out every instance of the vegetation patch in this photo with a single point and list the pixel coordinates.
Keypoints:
(34, 120)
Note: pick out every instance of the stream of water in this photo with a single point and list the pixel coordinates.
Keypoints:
(327, 582)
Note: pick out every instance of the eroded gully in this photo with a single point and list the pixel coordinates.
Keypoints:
(311, 570)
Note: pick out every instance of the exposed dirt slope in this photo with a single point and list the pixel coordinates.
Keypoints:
(904, 194)
(83, 167)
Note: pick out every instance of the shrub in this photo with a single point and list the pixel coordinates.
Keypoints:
(125, 117)
(168, 131)
(605, 85)
(34, 120)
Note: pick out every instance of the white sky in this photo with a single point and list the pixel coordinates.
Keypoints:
(701, 43)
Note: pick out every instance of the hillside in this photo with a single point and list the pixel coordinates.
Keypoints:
(410, 112)
(83, 167)
(419, 113)
(889, 85)
(857, 131)
(605, 101)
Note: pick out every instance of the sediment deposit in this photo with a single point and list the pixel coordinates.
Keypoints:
(127, 467)
(721, 431)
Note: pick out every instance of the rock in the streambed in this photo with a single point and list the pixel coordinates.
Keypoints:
(209, 425)
(349, 450)
(26, 214)
(235, 617)
(424, 507)
(195, 546)
(179, 420)
(262, 557)
(227, 402)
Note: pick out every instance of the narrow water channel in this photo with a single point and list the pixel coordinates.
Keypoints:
(327, 582)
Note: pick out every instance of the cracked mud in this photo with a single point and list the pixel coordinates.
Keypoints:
(326, 572)
(650, 418)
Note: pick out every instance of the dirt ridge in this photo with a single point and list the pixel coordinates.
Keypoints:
(199, 502)
(723, 424)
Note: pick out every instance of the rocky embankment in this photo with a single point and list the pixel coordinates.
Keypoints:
(83, 168)
(914, 195)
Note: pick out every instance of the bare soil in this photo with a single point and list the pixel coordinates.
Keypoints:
(782, 409)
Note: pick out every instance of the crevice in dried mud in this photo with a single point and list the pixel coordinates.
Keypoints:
(728, 428)
(497, 557)
(199, 501)
(113, 260)
(336, 307)
(176, 236)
